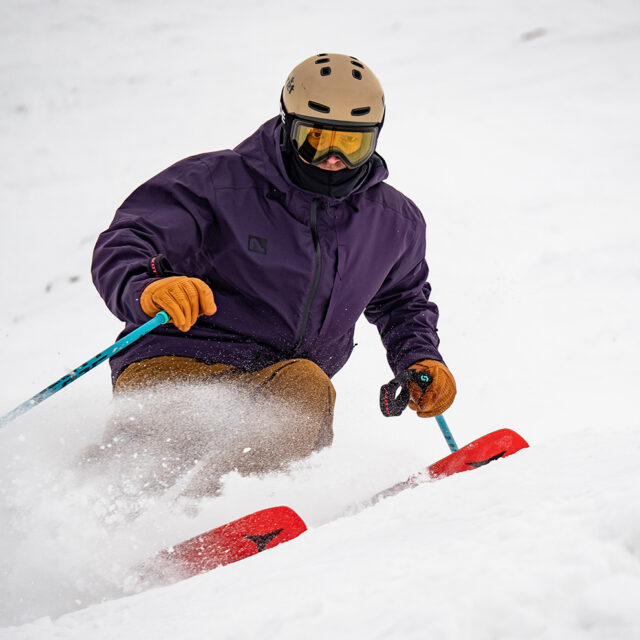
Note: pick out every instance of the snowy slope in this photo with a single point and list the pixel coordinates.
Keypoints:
(527, 166)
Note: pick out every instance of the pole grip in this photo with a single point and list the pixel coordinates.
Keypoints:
(392, 403)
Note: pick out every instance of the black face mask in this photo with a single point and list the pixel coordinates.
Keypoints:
(335, 184)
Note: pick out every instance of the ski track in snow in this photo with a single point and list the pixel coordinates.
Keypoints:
(527, 173)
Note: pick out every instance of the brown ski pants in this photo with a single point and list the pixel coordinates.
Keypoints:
(291, 402)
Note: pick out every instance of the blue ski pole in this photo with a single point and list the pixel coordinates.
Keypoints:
(123, 343)
(448, 436)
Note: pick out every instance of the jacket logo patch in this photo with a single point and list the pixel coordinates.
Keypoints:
(258, 245)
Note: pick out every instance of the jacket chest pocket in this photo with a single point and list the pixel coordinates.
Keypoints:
(356, 282)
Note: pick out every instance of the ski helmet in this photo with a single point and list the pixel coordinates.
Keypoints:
(333, 104)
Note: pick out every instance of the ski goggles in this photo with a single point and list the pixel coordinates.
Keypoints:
(315, 142)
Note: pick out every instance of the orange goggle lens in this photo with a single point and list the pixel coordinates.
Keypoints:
(316, 143)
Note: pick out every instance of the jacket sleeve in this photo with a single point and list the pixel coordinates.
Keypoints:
(163, 221)
(401, 310)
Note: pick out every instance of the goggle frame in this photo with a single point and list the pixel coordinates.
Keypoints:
(335, 126)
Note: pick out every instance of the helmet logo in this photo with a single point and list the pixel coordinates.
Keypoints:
(290, 86)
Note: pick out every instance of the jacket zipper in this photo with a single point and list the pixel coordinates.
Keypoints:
(313, 223)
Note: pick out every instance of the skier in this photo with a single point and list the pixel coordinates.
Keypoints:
(266, 255)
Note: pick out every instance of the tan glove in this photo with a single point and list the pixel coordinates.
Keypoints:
(439, 394)
(183, 298)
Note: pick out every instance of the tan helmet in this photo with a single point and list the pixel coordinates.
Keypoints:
(334, 87)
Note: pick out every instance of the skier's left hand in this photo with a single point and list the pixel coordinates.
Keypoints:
(439, 394)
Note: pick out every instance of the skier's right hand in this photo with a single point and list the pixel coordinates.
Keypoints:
(183, 298)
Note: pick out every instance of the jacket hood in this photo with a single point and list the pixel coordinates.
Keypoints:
(261, 151)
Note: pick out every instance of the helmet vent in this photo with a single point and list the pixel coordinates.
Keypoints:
(316, 106)
(360, 111)
(325, 71)
(322, 60)
(356, 74)
(357, 64)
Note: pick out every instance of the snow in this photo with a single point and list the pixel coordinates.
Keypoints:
(527, 119)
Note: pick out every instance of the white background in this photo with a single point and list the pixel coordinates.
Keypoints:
(515, 127)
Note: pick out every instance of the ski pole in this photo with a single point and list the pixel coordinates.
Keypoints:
(161, 318)
(393, 403)
(448, 436)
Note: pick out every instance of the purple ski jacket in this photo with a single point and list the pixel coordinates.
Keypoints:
(291, 271)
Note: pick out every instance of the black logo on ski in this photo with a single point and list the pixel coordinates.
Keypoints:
(263, 540)
(475, 465)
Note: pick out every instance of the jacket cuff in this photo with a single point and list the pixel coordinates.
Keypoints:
(159, 267)
(139, 316)
(407, 359)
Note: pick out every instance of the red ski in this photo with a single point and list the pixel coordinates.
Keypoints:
(480, 452)
(394, 398)
(230, 542)
(270, 527)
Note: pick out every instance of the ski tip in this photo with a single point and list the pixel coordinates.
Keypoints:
(511, 438)
(229, 543)
(488, 448)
